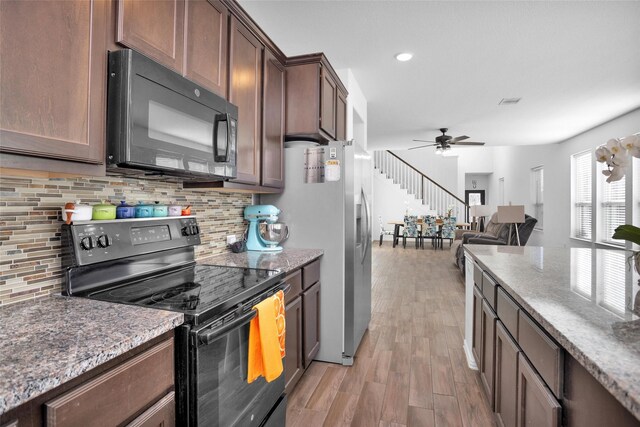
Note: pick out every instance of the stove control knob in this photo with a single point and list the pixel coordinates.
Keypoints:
(86, 243)
(185, 231)
(104, 241)
(197, 229)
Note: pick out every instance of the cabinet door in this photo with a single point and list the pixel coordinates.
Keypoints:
(476, 345)
(293, 367)
(273, 122)
(506, 377)
(341, 117)
(206, 41)
(536, 404)
(245, 91)
(311, 322)
(487, 366)
(328, 93)
(154, 28)
(161, 414)
(53, 79)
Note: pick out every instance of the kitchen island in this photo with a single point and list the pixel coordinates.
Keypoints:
(567, 312)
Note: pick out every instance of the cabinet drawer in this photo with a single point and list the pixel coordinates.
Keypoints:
(489, 288)
(162, 413)
(119, 394)
(310, 274)
(295, 281)
(507, 312)
(477, 275)
(543, 352)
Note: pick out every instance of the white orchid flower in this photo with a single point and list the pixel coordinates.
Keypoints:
(614, 146)
(603, 154)
(616, 173)
(632, 144)
(623, 159)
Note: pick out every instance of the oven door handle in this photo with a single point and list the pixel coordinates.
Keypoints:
(210, 336)
(287, 287)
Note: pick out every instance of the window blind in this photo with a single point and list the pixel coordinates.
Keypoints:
(582, 195)
(537, 196)
(613, 210)
(613, 280)
(581, 271)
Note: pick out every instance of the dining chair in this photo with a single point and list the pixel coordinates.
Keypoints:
(430, 230)
(383, 232)
(449, 229)
(411, 230)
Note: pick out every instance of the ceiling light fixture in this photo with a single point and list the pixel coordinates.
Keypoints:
(404, 56)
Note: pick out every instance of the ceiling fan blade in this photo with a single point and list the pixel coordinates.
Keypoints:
(459, 138)
(421, 146)
(422, 140)
(467, 143)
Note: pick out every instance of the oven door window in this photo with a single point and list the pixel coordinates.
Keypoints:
(222, 395)
(171, 130)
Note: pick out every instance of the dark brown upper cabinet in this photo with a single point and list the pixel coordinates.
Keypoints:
(154, 28)
(341, 117)
(273, 122)
(206, 43)
(53, 85)
(245, 91)
(188, 36)
(314, 94)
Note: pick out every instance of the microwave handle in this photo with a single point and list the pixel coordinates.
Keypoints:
(224, 117)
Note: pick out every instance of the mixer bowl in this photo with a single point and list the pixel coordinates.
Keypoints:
(273, 234)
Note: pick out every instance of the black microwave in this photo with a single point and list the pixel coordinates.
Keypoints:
(158, 122)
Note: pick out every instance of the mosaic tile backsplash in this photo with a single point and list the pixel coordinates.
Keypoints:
(30, 220)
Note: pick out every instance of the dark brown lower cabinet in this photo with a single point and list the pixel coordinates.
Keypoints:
(506, 380)
(141, 384)
(537, 405)
(311, 322)
(294, 367)
(487, 363)
(476, 343)
(162, 414)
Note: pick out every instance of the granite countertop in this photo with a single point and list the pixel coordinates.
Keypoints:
(588, 319)
(287, 260)
(51, 340)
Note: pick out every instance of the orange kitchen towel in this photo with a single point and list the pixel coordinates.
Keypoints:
(266, 339)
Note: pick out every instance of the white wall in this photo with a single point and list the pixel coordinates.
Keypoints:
(391, 203)
(514, 164)
(443, 170)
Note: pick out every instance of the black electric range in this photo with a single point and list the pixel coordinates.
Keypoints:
(150, 263)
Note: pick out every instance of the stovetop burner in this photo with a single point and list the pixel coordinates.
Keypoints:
(199, 291)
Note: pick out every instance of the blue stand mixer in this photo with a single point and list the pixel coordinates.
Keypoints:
(264, 232)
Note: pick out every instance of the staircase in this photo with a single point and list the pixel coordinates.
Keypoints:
(433, 195)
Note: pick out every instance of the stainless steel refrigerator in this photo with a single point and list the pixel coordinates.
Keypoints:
(326, 204)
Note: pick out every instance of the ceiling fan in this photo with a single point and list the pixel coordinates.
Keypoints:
(444, 141)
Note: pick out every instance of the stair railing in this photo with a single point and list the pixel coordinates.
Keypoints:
(432, 194)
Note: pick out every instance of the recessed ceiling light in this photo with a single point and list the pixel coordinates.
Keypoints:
(509, 101)
(404, 56)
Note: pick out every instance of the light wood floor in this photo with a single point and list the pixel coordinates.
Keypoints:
(410, 369)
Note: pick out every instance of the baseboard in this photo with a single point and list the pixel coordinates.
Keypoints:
(471, 361)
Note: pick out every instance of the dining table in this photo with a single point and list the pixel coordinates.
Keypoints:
(398, 224)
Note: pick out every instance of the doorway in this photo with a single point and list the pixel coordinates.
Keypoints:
(472, 198)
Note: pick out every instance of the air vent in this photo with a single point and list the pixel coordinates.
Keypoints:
(509, 101)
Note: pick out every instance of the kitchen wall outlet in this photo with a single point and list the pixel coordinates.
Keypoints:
(231, 239)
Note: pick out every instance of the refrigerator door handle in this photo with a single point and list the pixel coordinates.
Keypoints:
(367, 239)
